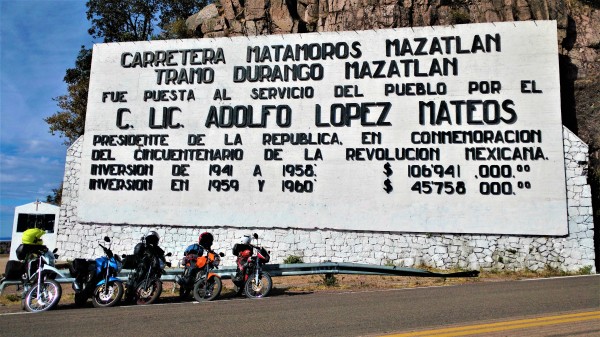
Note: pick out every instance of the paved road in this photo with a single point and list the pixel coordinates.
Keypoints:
(322, 314)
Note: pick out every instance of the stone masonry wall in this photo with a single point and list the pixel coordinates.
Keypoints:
(444, 251)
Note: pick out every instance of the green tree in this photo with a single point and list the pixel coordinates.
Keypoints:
(56, 197)
(69, 122)
(137, 20)
(173, 14)
(116, 21)
(122, 20)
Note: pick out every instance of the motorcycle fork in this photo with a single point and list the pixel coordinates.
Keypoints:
(39, 279)
(256, 270)
(146, 285)
(106, 279)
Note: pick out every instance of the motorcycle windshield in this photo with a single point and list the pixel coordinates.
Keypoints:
(263, 255)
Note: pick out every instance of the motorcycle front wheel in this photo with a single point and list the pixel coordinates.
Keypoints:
(148, 292)
(213, 289)
(108, 294)
(48, 298)
(259, 289)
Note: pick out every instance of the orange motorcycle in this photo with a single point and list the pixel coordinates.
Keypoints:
(207, 285)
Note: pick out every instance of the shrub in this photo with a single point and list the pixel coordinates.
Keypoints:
(459, 17)
(587, 270)
(293, 259)
(329, 280)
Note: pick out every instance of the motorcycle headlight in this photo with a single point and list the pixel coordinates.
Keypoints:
(119, 266)
(161, 264)
(217, 261)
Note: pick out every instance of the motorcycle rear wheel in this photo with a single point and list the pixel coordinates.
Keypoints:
(108, 294)
(259, 289)
(48, 299)
(148, 293)
(213, 289)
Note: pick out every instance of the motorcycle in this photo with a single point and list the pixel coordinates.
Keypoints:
(144, 285)
(250, 276)
(40, 291)
(194, 275)
(207, 285)
(98, 279)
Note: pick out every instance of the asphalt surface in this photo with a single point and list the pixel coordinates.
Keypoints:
(321, 313)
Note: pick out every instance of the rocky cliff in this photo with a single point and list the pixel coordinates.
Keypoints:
(578, 20)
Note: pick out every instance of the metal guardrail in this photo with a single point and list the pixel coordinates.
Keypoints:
(299, 269)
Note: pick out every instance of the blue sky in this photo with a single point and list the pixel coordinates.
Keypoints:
(39, 40)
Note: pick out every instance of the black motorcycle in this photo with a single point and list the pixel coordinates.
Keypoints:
(98, 279)
(144, 285)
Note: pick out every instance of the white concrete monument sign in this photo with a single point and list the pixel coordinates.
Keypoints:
(433, 129)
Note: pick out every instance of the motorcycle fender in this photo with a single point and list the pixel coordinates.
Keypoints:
(110, 279)
(47, 267)
(211, 275)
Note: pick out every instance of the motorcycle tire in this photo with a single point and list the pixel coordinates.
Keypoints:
(49, 296)
(108, 294)
(260, 289)
(148, 293)
(213, 289)
(80, 299)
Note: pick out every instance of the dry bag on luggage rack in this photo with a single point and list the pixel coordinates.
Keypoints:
(14, 270)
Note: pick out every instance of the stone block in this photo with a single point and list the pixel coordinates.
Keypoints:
(255, 9)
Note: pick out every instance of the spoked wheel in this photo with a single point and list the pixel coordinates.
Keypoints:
(148, 292)
(259, 289)
(48, 298)
(213, 289)
(108, 294)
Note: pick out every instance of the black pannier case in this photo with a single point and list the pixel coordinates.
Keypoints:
(14, 270)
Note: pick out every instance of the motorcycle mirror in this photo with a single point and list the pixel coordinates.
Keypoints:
(221, 254)
(168, 254)
(255, 235)
(55, 250)
(106, 239)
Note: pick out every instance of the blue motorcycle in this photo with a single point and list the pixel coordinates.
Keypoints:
(98, 279)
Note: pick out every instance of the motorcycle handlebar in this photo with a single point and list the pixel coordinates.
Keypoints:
(107, 251)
